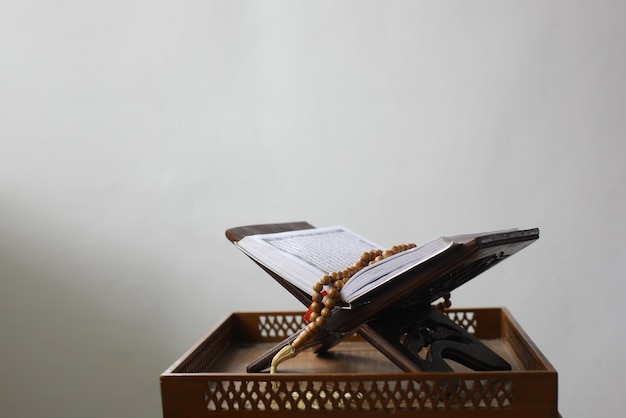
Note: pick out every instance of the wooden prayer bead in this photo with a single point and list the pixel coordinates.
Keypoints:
(318, 287)
(320, 321)
(316, 306)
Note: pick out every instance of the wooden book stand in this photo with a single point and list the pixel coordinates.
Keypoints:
(405, 327)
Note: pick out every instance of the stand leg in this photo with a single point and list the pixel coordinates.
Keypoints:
(423, 338)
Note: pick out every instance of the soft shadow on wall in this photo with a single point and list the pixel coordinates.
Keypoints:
(82, 333)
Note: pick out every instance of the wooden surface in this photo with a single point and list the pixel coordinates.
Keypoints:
(348, 357)
(354, 379)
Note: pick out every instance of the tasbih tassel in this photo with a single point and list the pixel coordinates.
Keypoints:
(322, 302)
(284, 354)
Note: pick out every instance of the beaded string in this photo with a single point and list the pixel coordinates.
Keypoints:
(322, 304)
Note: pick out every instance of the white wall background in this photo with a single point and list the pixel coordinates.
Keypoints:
(134, 132)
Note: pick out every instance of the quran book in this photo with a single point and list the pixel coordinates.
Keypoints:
(381, 300)
(299, 258)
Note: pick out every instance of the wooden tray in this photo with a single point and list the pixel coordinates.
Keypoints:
(354, 378)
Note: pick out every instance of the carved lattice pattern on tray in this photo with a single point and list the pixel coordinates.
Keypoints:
(464, 319)
(208, 352)
(271, 326)
(520, 347)
(361, 395)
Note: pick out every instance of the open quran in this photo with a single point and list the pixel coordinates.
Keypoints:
(389, 303)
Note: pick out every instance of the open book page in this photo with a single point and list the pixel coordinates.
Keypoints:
(304, 256)
(382, 272)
